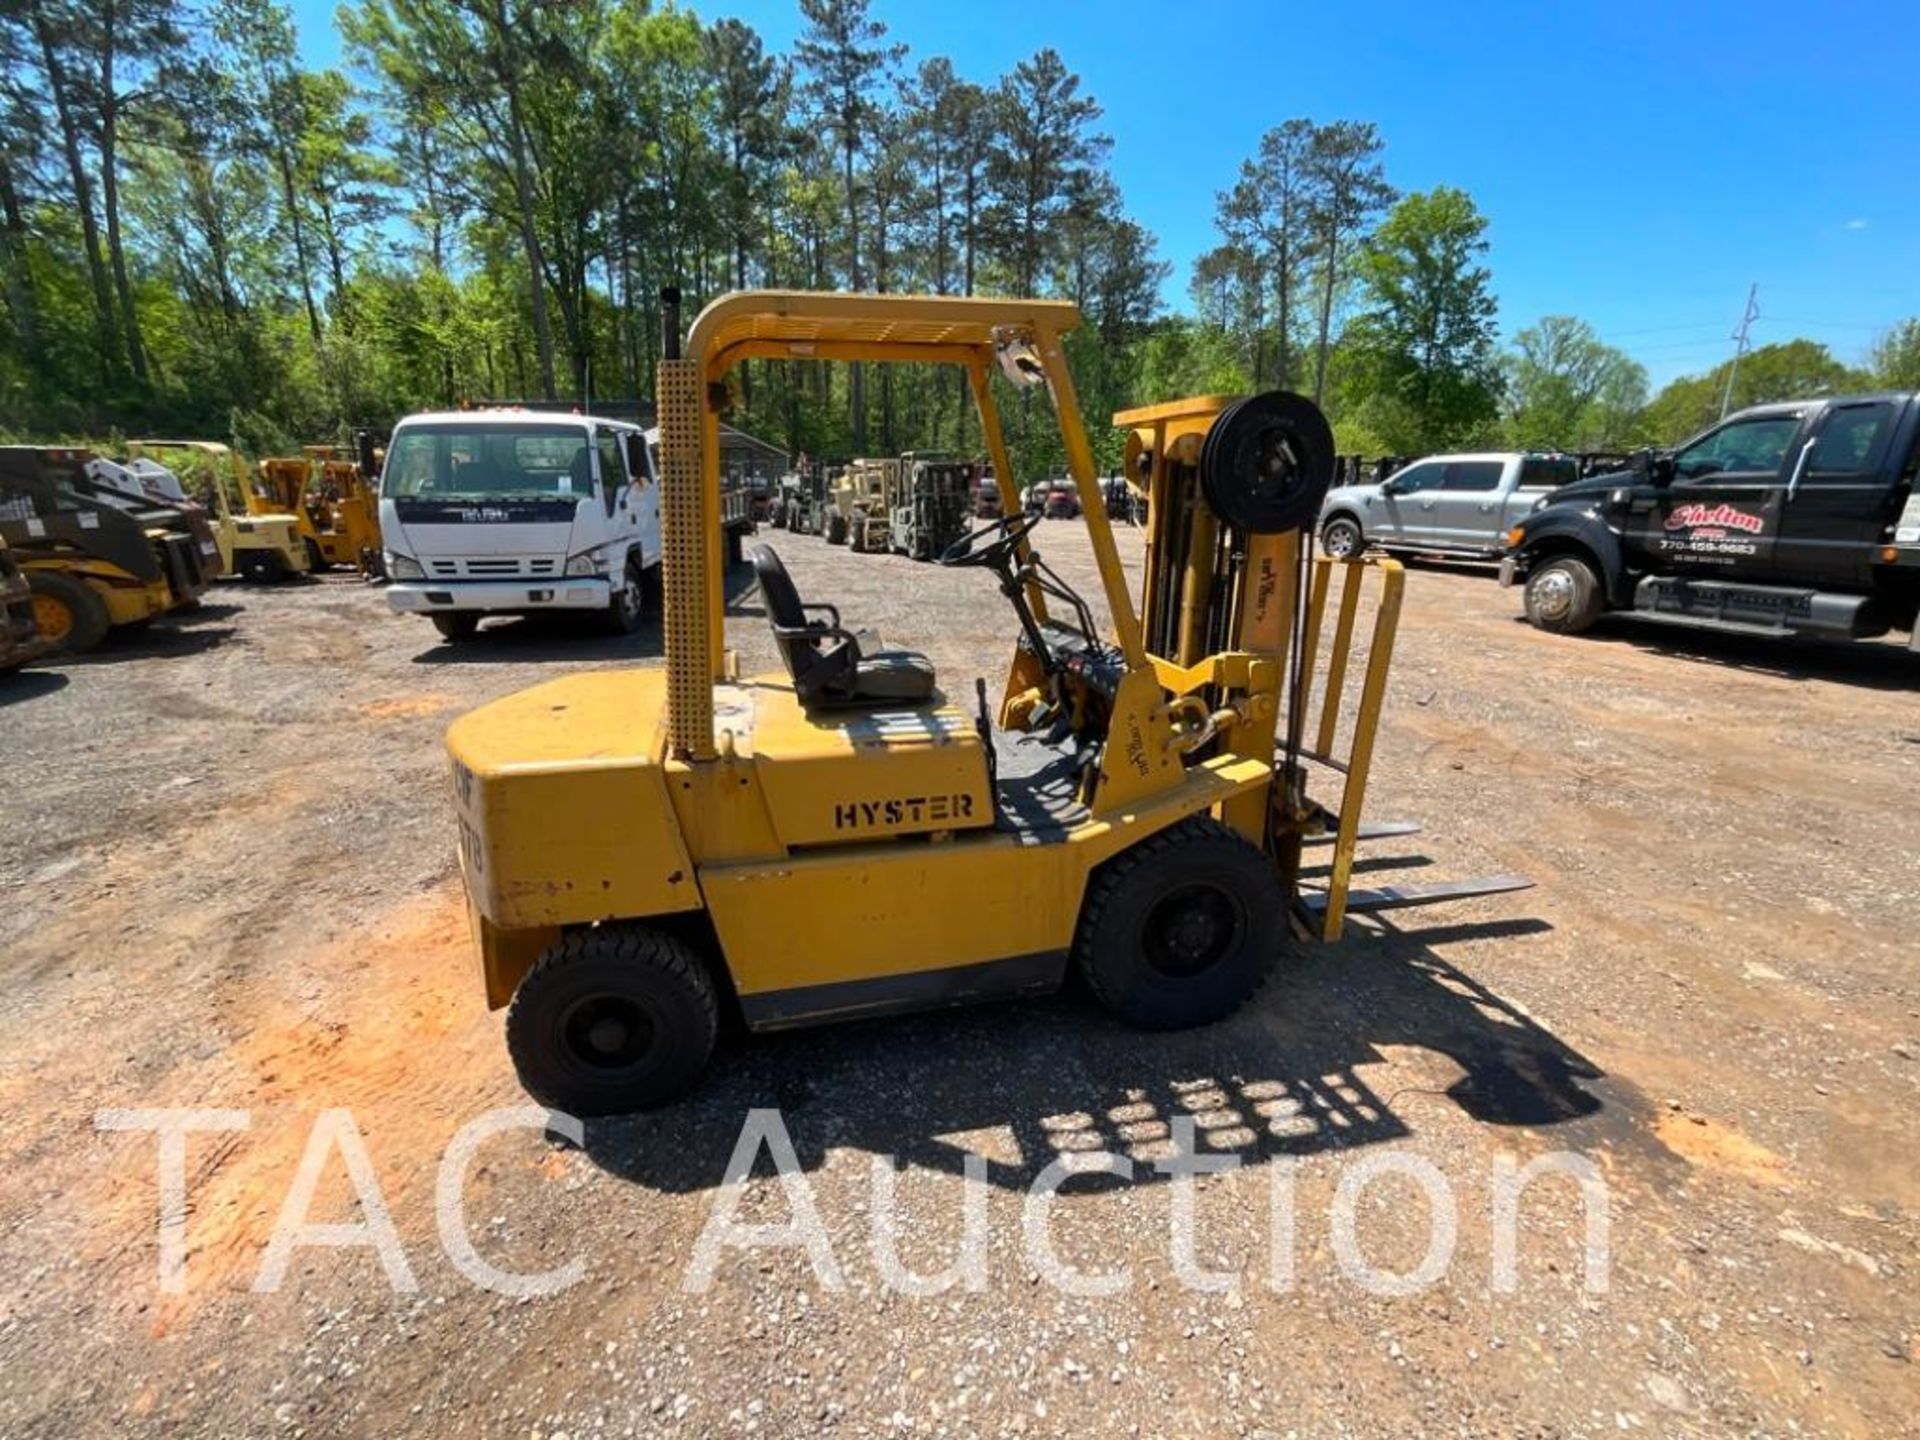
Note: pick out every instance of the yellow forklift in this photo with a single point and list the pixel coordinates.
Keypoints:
(332, 501)
(263, 546)
(840, 839)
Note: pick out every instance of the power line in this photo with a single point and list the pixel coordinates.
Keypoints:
(1747, 317)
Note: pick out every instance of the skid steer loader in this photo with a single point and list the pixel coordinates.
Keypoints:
(839, 838)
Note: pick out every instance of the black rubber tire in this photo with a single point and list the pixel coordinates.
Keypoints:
(836, 529)
(1135, 903)
(1343, 528)
(625, 617)
(262, 567)
(88, 620)
(316, 557)
(575, 1027)
(1567, 613)
(1267, 462)
(456, 625)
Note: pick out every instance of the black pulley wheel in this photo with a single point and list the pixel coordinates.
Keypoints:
(1267, 462)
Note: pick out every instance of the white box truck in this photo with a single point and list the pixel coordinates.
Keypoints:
(519, 512)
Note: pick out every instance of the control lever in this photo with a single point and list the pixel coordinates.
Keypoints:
(983, 726)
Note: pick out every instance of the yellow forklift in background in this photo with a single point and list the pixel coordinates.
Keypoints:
(872, 482)
(263, 546)
(332, 501)
(840, 839)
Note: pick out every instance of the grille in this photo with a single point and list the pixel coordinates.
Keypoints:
(491, 569)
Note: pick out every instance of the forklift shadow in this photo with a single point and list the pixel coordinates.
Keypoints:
(1868, 664)
(1023, 1084)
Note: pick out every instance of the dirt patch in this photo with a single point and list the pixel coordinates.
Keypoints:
(407, 707)
(1720, 1149)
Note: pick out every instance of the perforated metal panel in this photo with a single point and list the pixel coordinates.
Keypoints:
(683, 526)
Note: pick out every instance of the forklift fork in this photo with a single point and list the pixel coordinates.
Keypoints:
(1322, 913)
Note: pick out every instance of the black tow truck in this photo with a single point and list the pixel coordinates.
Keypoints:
(1788, 519)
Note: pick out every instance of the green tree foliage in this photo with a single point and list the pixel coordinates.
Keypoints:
(1422, 373)
(1791, 370)
(1895, 361)
(202, 233)
(1566, 390)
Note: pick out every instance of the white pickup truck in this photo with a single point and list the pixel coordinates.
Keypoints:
(518, 512)
(1446, 504)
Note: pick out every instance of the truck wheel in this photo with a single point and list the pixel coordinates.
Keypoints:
(456, 625)
(611, 1020)
(70, 616)
(1341, 538)
(629, 603)
(1181, 929)
(316, 557)
(1563, 595)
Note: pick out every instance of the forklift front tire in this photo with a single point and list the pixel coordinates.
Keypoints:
(611, 1020)
(456, 625)
(1563, 595)
(1183, 928)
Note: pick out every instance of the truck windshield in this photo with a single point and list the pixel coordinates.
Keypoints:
(480, 461)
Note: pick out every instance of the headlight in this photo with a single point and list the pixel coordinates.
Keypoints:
(403, 567)
(588, 562)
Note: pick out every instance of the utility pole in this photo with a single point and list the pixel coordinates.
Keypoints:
(1747, 317)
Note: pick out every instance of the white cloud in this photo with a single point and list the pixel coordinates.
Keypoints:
(1856, 225)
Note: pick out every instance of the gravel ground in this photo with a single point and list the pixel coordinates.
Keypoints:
(228, 860)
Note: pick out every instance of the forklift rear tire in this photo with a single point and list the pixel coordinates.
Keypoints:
(1183, 928)
(1563, 595)
(456, 625)
(316, 557)
(69, 614)
(611, 1020)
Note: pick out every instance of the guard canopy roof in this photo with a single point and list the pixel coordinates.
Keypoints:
(805, 322)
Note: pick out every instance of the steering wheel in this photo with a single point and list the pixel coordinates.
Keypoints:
(1002, 539)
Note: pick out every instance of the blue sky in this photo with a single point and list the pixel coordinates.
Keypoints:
(1640, 164)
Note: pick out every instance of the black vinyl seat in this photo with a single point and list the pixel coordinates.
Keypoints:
(824, 660)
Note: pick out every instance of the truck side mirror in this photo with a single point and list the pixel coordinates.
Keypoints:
(1660, 470)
